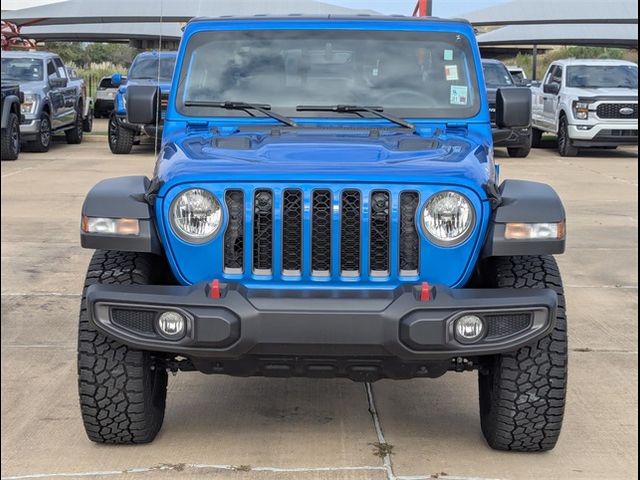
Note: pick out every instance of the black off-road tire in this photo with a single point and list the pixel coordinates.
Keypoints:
(122, 390)
(536, 138)
(519, 152)
(11, 138)
(87, 123)
(522, 394)
(120, 139)
(44, 137)
(74, 135)
(565, 147)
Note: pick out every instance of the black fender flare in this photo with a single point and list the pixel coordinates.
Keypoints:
(523, 201)
(7, 105)
(122, 197)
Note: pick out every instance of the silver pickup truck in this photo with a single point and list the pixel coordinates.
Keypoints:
(587, 103)
(53, 103)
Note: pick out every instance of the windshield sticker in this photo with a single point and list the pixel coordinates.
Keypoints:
(451, 73)
(458, 95)
(448, 55)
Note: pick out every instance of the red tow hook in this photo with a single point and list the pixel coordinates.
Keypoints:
(425, 292)
(214, 289)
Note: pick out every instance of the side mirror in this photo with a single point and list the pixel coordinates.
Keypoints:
(116, 79)
(56, 82)
(513, 107)
(552, 88)
(142, 104)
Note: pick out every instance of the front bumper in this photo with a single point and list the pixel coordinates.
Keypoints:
(29, 129)
(604, 134)
(344, 323)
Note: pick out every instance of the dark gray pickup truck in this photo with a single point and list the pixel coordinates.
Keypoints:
(52, 102)
(11, 99)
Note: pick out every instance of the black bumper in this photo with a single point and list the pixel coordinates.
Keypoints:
(353, 323)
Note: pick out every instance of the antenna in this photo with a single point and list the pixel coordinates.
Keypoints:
(159, 97)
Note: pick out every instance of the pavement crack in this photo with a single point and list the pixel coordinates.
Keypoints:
(603, 350)
(383, 449)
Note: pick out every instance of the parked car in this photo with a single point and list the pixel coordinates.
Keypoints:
(52, 103)
(149, 69)
(516, 140)
(325, 204)
(587, 103)
(105, 95)
(11, 100)
(519, 75)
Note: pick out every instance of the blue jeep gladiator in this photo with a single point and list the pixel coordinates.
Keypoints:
(325, 204)
(147, 69)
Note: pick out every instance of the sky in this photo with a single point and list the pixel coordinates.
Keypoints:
(441, 8)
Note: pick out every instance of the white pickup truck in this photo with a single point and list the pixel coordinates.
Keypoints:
(587, 103)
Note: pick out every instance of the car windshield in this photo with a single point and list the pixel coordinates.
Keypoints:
(22, 69)
(602, 76)
(412, 74)
(496, 75)
(146, 68)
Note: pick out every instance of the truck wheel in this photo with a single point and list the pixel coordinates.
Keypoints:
(120, 138)
(11, 138)
(536, 138)
(564, 142)
(43, 139)
(122, 390)
(74, 135)
(87, 123)
(518, 152)
(522, 394)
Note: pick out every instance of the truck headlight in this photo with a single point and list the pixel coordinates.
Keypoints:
(29, 105)
(196, 215)
(581, 110)
(448, 218)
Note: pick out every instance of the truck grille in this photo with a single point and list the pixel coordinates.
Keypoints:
(614, 110)
(348, 233)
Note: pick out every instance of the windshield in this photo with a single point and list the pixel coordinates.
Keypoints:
(496, 75)
(22, 69)
(146, 68)
(602, 76)
(419, 74)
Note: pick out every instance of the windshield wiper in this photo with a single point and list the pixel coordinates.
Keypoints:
(262, 108)
(377, 111)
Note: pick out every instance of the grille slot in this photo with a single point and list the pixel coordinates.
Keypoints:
(234, 235)
(350, 233)
(263, 232)
(409, 241)
(612, 110)
(292, 232)
(321, 233)
(140, 321)
(506, 324)
(379, 235)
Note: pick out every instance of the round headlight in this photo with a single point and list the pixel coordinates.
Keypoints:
(196, 215)
(448, 218)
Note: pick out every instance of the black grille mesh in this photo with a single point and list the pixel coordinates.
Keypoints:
(234, 235)
(350, 231)
(612, 110)
(292, 231)
(321, 231)
(409, 242)
(140, 321)
(379, 238)
(263, 231)
(503, 325)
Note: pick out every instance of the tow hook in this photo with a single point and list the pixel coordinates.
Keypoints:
(460, 364)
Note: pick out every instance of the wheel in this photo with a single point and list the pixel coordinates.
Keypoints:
(87, 123)
(43, 140)
(122, 390)
(519, 152)
(522, 394)
(120, 138)
(11, 138)
(536, 138)
(564, 142)
(74, 135)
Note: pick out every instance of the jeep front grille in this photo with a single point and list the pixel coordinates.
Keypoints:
(344, 234)
(615, 110)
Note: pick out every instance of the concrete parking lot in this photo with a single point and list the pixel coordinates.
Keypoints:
(220, 427)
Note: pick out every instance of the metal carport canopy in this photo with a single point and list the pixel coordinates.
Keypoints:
(607, 35)
(103, 32)
(113, 11)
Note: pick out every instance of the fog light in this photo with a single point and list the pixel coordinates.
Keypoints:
(172, 325)
(469, 328)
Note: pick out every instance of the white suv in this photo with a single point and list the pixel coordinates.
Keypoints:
(104, 97)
